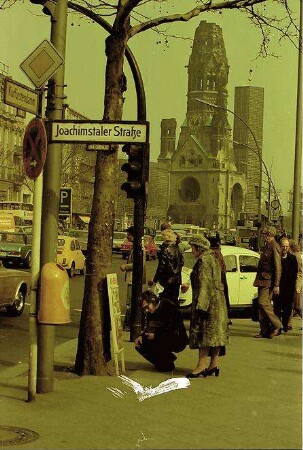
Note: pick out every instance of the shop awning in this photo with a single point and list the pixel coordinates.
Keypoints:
(85, 219)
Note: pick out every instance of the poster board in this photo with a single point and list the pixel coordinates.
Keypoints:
(115, 317)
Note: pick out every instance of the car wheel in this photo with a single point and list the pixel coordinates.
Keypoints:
(28, 260)
(71, 271)
(83, 271)
(16, 309)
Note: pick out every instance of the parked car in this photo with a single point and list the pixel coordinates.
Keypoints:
(69, 255)
(119, 238)
(158, 239)
(16, 249)
(27, 229)
(241, 268)
(81, 236)
(14, 287)
(151, 248)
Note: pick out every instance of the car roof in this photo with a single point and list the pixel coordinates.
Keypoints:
(233, 250)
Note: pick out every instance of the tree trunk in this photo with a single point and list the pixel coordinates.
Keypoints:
(93, 352)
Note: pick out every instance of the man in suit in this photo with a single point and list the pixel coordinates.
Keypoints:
(284, 301)
(163, 332)
(268, 281)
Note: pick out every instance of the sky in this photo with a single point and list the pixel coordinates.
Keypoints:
(163, 67)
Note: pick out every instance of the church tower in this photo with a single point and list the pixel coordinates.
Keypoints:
(203, 170)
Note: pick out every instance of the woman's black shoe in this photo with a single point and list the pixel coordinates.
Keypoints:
(214, 371)
(198, 374)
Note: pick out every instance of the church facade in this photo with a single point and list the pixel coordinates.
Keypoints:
(205, 186)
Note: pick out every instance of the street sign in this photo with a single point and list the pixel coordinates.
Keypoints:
(20, 96)
(42, 63)
(99, 131)
(65, 205)
(34, 148)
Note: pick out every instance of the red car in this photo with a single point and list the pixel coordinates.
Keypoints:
(151, 248)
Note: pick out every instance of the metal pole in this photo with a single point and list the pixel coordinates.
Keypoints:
(51, 191)
(298, 146)
(35, 272)
(259, 155)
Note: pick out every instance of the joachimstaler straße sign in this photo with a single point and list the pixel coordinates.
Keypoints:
(99, 132)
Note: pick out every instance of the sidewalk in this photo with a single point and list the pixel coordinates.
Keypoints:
(254, 403)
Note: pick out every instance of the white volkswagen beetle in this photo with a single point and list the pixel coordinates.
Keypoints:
(241, 268)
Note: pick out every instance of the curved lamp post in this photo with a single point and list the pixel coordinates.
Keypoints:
(265, 171)
(258, 153)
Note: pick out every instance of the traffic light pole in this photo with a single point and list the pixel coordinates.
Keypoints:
(135, 316)
(51, 192)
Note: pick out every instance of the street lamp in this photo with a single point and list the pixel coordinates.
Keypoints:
(258, 153)
(265, 171)
(298, 145)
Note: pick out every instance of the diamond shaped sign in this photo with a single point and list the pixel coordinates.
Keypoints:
(42, 63)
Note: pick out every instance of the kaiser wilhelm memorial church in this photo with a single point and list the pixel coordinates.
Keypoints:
(213, 172)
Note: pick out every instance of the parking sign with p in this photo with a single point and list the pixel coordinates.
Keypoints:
(65, 206)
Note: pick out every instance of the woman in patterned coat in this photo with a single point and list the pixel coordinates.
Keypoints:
(209, 321)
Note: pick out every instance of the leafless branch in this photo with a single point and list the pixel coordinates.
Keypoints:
(209, 6)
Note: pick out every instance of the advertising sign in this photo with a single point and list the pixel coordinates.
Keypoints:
(115, 317)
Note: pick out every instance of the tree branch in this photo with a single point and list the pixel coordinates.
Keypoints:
(229, 4)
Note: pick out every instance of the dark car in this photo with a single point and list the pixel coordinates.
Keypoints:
(16, 249)
(151, 248)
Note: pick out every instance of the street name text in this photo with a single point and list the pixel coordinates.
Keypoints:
(99, 132)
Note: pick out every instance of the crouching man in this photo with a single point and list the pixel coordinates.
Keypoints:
(163, 332)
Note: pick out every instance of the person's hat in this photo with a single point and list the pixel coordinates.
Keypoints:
(270, 230)
(200, 241)
(130, 230)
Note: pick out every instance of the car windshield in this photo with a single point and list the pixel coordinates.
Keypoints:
(119, 235)
(11, 237)
(79, 234)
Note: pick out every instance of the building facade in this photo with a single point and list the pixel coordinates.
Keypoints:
(14, 185)
(205, 187)
(248, 140)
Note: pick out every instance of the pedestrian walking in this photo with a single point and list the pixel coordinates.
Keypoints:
(283, 303)
(216, 248)
(163, 332)
(170, 263)
(268, 280)
(209, 322)
(297, 301)
(253, 242)
(128, 269)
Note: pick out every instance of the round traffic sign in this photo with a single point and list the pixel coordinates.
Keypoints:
(34, 148)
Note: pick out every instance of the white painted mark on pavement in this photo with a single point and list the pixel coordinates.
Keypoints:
(142, 439)
(147, 392)
(117, 392)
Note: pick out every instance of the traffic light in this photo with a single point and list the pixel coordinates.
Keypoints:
(136, 169)
(49, 6)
